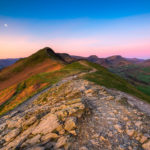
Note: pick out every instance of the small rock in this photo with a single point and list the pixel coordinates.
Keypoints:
(30, 121)
(110, 134)
(146, 145)
(32, 141)
(110, 98)
(47, 124)
(102, 138)
(70, 124)
(118, 128)
(143, 139)
(2, 127)
(61, 142)
(88, 91)
(125, 118)
(73, 132)
(12, 134)
(49, 136)
(36, 148)
(95, 136)
(83, 148)
(60, 130)
(130, 132)
(138, 123)
(14, 123)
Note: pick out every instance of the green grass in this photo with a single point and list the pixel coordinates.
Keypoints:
(143, 77)
(32, 60)
(49, 78)
(144, 89)
(137, 75)
(53, 77)
(103, 77)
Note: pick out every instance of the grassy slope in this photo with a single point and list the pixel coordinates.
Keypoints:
(36, 83)
(110, 80)
(24, 68)
(138, 75)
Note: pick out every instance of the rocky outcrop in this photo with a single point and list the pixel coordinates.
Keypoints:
(78, 115)
(49, 121)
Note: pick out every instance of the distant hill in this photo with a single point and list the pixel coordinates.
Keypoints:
(136, 71)
(113, 61)
(145, 63)
(44, 60)
(66, 57)
(7, 62)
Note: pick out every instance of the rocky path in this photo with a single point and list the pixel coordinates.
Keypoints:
(78, 115)
(112, 123)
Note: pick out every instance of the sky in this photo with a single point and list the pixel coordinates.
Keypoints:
(78, 27)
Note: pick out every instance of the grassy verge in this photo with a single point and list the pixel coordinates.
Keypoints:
(103, 77)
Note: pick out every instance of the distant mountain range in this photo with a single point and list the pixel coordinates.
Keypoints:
(114, 61)
(7, 62)
(30, 75)
(136, 71)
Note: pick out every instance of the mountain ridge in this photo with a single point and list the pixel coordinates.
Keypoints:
(78, 105)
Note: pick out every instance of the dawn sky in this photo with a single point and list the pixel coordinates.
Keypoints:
(77, 27)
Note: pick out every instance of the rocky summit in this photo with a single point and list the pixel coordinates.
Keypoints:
(77, 114)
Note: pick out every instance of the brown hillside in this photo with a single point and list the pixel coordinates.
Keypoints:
(44, 60)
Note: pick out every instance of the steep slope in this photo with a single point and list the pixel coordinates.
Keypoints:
(23, 79)
(145, 63)
(67, 57)
(136, 71)
(44, 60)
(16, 94)
(7, 62)
(77, 114)
(138, 75)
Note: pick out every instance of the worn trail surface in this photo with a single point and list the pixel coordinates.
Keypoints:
(113, 123)
(76, 114)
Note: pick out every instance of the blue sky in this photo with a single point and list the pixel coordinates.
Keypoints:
(71, 9)
(79, 27)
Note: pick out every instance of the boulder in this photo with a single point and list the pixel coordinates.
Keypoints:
(47, 124)
(30, 121)
(11, 135)
(146, 145)
(33, 140)
(61, 142)
(130, 132)
(14, 123)
(49, 136)
(70, 123)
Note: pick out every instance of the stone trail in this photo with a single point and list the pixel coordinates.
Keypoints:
(76, 114)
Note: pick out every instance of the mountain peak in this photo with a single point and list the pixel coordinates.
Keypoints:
(115, 57)
(92, 56)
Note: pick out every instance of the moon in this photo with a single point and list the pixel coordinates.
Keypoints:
(5, 25)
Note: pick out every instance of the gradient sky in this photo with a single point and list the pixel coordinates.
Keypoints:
(77, 27)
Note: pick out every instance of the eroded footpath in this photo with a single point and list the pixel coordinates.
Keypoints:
(76, 114)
